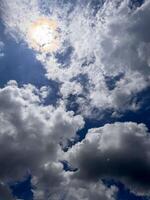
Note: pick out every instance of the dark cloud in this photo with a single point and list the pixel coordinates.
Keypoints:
(119, 151)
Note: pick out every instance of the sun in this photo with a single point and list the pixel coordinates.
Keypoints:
(43, 35)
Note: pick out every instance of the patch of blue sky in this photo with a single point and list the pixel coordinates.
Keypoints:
(135, 3)
(64, 58)
(22, 189)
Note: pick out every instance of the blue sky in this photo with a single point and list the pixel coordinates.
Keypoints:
(74, 89)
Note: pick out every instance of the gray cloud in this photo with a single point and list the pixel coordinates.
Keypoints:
(119, 151)
(5, 193)
(78, 190)
(66, 188)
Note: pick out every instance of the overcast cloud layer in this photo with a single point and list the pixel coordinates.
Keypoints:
(103, 63)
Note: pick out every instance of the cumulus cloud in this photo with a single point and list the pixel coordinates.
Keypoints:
(31, 133)
(118, 151)
(30, 138)
(81, 190)
(49, 182)
(66, 188)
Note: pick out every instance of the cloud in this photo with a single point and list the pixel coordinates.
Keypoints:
(49, 182)
(98, 43)
(81, 190)
(30, 137)
(5, 192)
(108, 42)
(65, 188)
(18, 15)
(112, 50)
(71, 88)
(118, 151)
(31, 133)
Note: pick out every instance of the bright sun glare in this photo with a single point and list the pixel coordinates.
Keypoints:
(43, 35)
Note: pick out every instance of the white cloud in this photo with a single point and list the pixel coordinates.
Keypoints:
(71, 88)
(105, 44)
(31, 133)
(17, 16)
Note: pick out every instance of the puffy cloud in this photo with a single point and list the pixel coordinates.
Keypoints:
(66, 188)
(31, 133)
(30, 137)
(78, 190)
(119, 151)
(49, 182)
(71, 88)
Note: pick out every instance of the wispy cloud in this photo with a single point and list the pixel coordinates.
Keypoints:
(105, 44)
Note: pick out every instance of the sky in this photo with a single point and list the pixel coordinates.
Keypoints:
(74, 100)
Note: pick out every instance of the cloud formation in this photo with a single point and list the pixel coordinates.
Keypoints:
(102, 64)
(108, 43)
(31, 133)
(119, 151)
